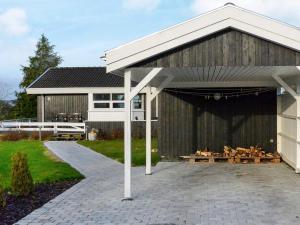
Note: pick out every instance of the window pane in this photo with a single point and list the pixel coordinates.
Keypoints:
(118, 105)
(101, 97)
(137, 98)
(101, 105)
(137, 105)
(137, 102)
(119, 97)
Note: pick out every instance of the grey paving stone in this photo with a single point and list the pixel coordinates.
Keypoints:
(176, 193)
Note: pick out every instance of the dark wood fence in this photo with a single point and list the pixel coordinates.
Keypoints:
(108, 128)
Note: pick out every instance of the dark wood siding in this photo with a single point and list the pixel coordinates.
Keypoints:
(68, 104)
(226, 48)
(188, 123)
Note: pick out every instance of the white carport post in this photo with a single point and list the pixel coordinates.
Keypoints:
(148, 131)
(127, 136)
(294, 94)
(129, 95)
(150, 96)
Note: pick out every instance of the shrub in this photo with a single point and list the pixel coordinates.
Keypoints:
(14, 136)
(21, 183)
(44, 135)
(117, 134)
(2, 197)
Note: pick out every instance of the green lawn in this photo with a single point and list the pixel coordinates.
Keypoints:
(115, 149)
(43, 165)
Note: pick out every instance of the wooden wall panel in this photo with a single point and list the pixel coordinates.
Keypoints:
(187, 123)
(225, 48)
(175, 125)
(68, 104)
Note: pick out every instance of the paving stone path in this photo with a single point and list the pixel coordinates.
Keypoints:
(176, 193)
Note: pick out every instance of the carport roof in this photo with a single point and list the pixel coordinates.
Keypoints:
(228, 16)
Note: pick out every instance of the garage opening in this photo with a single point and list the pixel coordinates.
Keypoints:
(206, 118)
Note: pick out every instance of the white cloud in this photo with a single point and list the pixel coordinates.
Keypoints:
(141, 4)
(287, 10)
(14, 21)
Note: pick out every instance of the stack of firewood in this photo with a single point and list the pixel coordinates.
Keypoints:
(207, 153)
(247, 152)
(237, 152)
(204, 153)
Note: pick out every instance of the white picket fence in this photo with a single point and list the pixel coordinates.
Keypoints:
(55, 127)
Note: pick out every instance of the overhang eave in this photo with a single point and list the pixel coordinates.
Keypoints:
(218, 76)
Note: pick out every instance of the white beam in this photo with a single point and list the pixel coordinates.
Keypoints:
(152, 74)
(127, 137)
(162, 86)
(285, 85)
(148, 132)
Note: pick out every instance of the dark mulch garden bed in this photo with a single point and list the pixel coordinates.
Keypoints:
(19, 207)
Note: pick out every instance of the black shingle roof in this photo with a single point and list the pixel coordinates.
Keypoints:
(68, 77)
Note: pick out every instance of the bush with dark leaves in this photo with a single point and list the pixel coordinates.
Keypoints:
(21, 183)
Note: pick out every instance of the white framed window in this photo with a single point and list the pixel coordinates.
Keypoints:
(101, 100)
(108, 101)
(118, 101)
(115, 102)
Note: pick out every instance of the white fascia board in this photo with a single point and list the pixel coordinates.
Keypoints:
(39, 77)
(204, 25)
(38, 91)
(164, 36)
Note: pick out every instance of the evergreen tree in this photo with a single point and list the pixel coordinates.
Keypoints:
(45, 57)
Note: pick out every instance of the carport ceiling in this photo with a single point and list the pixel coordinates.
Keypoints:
(220, 76)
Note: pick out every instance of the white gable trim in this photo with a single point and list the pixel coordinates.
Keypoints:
(34, 91)
(38, 91)
(199, 27)
(39, 77)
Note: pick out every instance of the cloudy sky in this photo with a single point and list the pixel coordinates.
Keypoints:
(83, 29)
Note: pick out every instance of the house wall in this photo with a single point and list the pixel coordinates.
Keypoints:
(226, 48)
(79, 103)
(68, 104)
(188, 123)
(117, 115)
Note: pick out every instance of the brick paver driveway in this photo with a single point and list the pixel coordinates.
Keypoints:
(176, 193)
